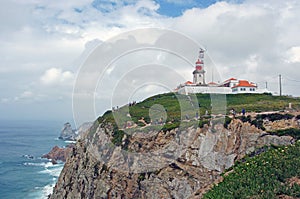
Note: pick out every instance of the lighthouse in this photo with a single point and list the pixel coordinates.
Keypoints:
(199, 72)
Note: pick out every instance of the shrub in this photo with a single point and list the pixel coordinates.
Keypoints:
(295, 133)
(117, 137)
(227, 121)
(258, 123)
(245, 119)
(275, 116)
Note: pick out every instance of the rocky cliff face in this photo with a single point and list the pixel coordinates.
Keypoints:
(174, 164)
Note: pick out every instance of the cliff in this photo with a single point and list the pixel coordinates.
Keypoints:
(174, 163)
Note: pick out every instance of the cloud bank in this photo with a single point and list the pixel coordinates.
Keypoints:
(44, 45)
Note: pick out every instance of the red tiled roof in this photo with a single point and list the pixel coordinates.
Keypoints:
(244, 83)
(199, 61)
(230, 79)
(213, 83)
(188, 82)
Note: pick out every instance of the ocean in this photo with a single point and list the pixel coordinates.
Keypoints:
(23, 173)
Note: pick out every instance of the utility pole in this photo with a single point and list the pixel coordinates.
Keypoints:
(280, 87)
(266, 85)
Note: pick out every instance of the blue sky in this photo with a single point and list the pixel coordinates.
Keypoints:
(42, 47)
(175, 8)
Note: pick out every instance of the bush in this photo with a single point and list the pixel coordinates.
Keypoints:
(168, 127)
(227, 121)
(245, 119)
(258, 123)
(295, 133)
(117, 137)
(140, 124)
(275, 116)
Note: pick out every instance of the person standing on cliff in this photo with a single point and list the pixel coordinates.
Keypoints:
(243, 112)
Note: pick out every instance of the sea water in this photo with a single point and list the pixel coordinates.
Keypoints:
(23, 173)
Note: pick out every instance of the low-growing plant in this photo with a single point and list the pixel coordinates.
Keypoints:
(263, 176)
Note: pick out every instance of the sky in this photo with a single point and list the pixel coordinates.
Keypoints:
(45, 43)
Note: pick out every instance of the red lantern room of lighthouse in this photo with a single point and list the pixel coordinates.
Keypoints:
(198, 73)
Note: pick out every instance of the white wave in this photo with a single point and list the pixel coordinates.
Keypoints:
(70, 142)
(34, 164)
(47, 190)
(53, 171)
(41, 192)
(49, 164)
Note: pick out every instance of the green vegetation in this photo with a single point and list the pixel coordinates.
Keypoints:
(260, 102)
(178, 107)
(295, 133)
(117, 137)
(263, 176)
(169, 111)
(275, 116)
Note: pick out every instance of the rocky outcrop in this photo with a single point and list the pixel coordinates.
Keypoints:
(67, 133)
(59, 154)
(281, 124)
(70, 134)
(157, 164)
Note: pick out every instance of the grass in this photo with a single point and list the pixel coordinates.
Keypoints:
(176, 108)
(179, 111)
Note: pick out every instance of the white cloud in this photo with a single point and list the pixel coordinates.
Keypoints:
(56, 76)
(254, 39)
(293, 54)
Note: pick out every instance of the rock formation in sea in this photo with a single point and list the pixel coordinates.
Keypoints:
(175, 163)
(70, 134)
(67, 133)
(59, 154)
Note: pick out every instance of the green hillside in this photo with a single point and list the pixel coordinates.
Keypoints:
(178, 107)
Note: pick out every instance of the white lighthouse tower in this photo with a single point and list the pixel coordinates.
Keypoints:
(199, 72)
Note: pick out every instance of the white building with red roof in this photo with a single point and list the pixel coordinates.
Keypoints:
(229, 86)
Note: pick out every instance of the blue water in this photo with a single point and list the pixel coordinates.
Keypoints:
(23, 173)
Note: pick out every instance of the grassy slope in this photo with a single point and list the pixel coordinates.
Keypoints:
(178, 106)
